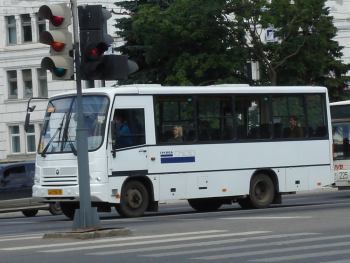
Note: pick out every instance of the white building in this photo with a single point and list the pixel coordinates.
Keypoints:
(340, 10)
(22, 78)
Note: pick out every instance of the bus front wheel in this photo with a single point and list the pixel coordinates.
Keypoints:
(68, 209)
(262, 191)
(134, 200)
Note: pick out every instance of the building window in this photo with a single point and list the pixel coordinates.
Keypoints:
(15, 139)
(42, 79)
(41, 25)
(11, 30)
(27, 83)
(27, 28)
(31, 139)
(12, 83)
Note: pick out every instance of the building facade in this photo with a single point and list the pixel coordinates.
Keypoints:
(22, 78)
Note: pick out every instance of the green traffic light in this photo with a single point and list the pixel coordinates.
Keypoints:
(59, 72)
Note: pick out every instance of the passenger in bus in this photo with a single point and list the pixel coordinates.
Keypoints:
(177, 134)
(123, 134)
(295, 131)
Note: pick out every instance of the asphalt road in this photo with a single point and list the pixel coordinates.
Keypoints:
(308, 227)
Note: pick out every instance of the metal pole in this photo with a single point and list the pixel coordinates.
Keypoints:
(86, 217)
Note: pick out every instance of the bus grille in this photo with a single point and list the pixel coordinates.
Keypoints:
(65, 176)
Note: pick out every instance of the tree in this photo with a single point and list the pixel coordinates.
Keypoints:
(182, 43)
(198, 42)
(303, 51)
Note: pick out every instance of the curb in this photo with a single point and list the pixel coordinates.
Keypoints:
(90, 233)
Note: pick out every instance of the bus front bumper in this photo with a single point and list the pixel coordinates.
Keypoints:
(71, 193)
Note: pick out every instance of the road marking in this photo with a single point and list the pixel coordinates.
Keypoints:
(266, 217)
(152, 241)
(270, 244)
(199, 244)
(106, 240)
(277, 250)
(337, 261)
(308, 255)
(20, 238)
(17, 222)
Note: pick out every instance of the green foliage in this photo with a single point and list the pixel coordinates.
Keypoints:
(304, 52)
(201, 42)
(185, 43)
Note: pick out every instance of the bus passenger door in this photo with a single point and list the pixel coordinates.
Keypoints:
(128, 151)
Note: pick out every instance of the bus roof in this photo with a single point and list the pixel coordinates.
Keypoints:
(148, 89)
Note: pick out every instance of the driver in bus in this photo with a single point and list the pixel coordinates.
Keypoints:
(123, 133)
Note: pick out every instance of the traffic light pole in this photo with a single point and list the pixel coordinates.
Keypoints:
(86, 216)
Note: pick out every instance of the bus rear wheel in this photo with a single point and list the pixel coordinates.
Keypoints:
(262, 191)
(134, 200)
(205, 204)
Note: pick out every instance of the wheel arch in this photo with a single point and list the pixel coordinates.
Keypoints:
(146, 182)
(271, 173)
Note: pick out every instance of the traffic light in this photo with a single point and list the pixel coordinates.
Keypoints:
(60, 62)
(94, 42)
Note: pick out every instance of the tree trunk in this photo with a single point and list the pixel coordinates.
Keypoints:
(273, 76)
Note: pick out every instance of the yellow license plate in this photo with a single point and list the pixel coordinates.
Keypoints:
(55, 191)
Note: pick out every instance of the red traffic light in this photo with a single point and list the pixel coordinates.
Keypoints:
(57, 46)
(94, 52)
(57, 20)
(59, 15)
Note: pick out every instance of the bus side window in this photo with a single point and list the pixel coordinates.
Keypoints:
(128, 128)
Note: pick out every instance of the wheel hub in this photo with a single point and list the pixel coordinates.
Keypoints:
(134, 198)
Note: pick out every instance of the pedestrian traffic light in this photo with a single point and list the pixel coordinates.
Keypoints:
(94, 42)
(60, 61)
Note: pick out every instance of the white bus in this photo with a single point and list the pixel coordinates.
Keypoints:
(340, 113)
(209, 145)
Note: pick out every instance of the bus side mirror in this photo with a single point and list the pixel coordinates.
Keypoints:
(27, 120)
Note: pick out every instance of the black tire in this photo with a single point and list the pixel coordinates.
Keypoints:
(30, 213)
(55, 208)
(245, 203)
(68, 209)
(262, 191)
(205, 204)
(134, 200)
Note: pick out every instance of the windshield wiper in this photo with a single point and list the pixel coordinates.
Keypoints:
(74, 150)
(68, 139)
(43, 153)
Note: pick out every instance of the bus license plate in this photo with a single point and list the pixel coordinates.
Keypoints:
(342, 175)
(55, 192)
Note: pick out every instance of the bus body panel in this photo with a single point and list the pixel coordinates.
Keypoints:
(188, 170)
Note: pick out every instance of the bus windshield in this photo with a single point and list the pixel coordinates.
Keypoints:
(59, 130)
